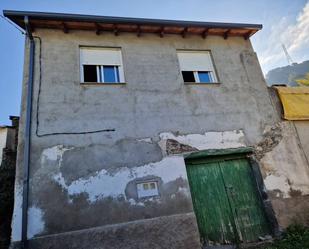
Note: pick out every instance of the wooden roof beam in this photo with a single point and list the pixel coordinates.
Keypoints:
(184, 32)
(139, 31)
(247, 36)
(205, 33)
(116, 30)
(64, 28)
(162, 32)
(98, 29)
(226, 34)
(31, 27)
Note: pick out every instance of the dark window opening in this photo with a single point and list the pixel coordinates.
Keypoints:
(188, 76)
(90, 73)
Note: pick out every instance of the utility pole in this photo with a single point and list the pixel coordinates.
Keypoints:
(288, 57)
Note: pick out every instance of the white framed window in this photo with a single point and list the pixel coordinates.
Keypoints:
(101, 65)
(147, 189)
(197, 66)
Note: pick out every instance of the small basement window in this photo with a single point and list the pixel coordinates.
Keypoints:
(101, 65)
(197, 67)
(147, 189)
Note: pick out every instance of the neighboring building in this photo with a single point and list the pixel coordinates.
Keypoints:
(150, 134)
(8, 135)
(292, 106)
(3, 136)
(8, 150)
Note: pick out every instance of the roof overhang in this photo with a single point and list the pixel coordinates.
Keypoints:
(101, 24)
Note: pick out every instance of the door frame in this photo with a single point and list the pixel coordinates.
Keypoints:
(244, 152)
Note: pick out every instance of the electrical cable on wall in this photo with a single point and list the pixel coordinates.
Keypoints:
(39, 92)
(38, 105)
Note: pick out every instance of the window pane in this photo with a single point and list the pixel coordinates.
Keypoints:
(205, 77)
(147, 189)
(111, 74)
(90, 73)
(188, 76)
(117, 74)
(152, 185)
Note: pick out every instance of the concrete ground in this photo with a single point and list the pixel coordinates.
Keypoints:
(256, 245)
(220, 247)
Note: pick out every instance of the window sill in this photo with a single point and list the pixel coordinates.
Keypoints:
(102, 84)
(202, 84)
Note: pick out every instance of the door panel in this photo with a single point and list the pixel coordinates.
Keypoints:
(210, 202)
(244, 198)
(226, 200)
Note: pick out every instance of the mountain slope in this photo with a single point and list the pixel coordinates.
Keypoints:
(288, 74)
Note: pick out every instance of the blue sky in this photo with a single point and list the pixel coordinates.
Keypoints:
(284, 21)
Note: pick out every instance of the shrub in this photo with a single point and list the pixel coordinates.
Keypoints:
(295, 237)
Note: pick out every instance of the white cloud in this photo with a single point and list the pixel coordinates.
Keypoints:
(297, 36)
(294, 36)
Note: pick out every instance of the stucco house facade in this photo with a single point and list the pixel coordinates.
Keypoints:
(8, 134)
(149, 134)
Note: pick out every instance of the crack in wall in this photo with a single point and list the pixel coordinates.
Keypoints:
(285, 169)
(271, 138)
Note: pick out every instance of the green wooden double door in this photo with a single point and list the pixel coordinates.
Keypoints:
(226, 201)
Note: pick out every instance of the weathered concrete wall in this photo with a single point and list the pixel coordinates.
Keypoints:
(302, 129)
(84, 180)
(285, 166)
(168, 232)
(283, 155)
(155, 99)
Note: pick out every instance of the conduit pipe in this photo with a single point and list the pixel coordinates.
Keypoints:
(27, 135)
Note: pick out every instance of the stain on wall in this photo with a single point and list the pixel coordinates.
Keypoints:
(292, 210)
(106, 192)
(172, 232)
(84, 161)
(285, 167)
(286, 173)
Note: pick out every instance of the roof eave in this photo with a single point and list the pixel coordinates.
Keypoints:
(18, 16)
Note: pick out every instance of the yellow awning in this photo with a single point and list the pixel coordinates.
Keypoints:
(295, 102)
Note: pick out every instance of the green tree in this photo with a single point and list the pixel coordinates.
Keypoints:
(305, 81)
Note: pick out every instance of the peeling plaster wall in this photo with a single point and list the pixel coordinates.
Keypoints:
(208, 140)
(286, 174)
(83, 181)
(284, 157)
(109, 187)
(112, 184)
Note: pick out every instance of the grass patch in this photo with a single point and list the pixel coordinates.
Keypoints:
(295, 237)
